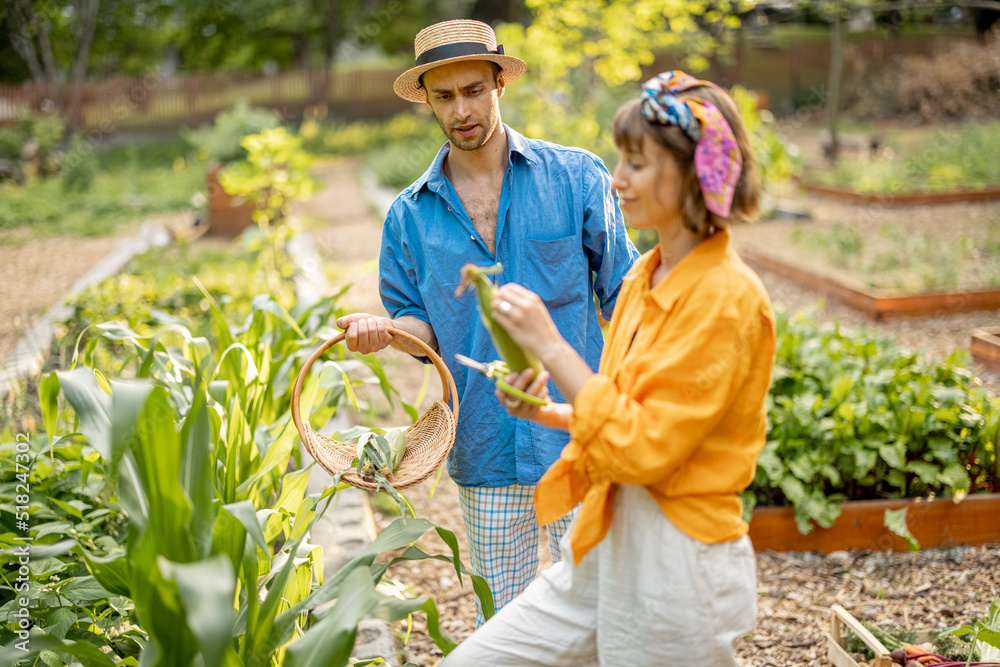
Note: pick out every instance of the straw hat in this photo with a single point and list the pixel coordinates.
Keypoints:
(453, 42)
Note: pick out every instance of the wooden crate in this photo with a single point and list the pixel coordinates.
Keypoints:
(836, 640)
(986, 347)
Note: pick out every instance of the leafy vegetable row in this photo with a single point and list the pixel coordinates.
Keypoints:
(855, 417)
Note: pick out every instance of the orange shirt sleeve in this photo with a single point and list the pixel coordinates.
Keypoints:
(682, 386)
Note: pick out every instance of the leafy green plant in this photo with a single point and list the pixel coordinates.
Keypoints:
(43, 132)
(217, 566)
(66, 486)
(221, 140)
(10, 144)
(984, 634)
(847, 242)
(79, 167)
(192, 457)
(155, 289)
(149, 178)
(945, 160)
(274, 173)
(857, 418)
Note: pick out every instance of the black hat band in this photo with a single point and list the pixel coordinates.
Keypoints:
(457, 50)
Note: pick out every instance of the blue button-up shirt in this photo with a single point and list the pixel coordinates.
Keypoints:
(559, 233)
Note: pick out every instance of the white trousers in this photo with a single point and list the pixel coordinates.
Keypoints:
(646, 595)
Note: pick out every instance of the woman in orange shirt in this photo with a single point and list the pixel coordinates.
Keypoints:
(666, 435)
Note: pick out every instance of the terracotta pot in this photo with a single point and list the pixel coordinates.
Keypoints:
(935, 523)
(228, 215)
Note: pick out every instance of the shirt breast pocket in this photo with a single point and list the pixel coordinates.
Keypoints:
(555, 269)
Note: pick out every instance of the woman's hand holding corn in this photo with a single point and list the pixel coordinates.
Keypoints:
(524, 316)
(528, 323)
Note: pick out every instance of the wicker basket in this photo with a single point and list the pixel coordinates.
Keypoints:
(428, 440)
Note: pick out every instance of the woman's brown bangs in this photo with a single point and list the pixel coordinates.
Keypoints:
(629, 127)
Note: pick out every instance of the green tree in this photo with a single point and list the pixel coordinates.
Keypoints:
(837, 11)
(72, 40)
(34, 25)
(577, 50)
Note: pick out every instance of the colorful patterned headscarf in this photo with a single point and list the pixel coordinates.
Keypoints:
(717, 158)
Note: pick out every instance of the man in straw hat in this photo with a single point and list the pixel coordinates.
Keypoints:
(549, 215)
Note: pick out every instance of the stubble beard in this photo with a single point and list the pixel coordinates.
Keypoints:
(487, 128)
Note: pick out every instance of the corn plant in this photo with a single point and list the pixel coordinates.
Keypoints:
(216, 566)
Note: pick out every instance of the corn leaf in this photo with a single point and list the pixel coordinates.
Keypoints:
(48, 393)
(92, 406)
(207, 588)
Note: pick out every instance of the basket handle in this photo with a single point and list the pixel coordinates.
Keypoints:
(447, 381)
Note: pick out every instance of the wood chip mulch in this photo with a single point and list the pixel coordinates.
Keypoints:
(928, 589)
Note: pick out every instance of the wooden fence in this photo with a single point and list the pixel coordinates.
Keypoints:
(796, 76)
(789, 77)
(153, 102)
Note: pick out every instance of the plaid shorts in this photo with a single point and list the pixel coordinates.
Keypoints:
(502, 529)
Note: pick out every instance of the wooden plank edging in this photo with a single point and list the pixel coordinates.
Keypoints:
(910, 198)
(876, 304)
(934, 523)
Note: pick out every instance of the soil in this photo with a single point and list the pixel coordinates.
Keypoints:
(906, 249)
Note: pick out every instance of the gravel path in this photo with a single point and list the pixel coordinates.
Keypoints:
(37, 271)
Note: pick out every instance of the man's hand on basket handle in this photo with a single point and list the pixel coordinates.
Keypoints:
(370, 333)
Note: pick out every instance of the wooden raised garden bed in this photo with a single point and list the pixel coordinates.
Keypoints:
(877, 304)
(910, 198)
(935, 523)
(986, 347)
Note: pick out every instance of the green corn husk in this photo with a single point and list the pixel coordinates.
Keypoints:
(380, 452)
(516, 358)
(379, 455)
(397, 446)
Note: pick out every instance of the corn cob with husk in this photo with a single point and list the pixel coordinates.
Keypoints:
(379, 455)
(513, 359)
